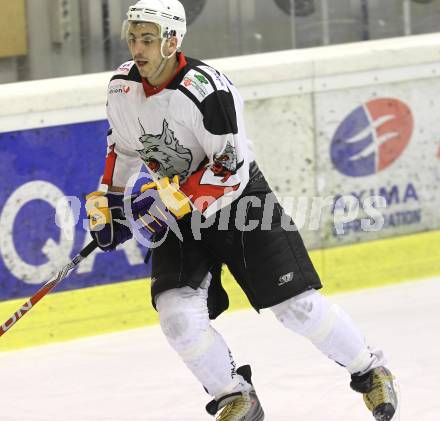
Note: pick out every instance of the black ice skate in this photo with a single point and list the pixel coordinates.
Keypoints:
(239, 406)
(379, 392)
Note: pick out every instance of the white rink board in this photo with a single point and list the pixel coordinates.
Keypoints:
(285, 148)
(134, 376)
(411, 182)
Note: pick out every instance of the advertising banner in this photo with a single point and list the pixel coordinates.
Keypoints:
(39, 169)
(378, 160)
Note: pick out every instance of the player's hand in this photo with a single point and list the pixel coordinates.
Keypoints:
(170, 195)
(107, 222)
(149, 212)
(158, 205)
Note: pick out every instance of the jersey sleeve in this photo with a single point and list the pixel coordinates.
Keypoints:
(120, 164)
(217, 122)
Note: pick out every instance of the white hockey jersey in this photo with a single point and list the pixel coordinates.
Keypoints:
(191, 127)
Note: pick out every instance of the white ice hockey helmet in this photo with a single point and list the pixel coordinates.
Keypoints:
(169, 15)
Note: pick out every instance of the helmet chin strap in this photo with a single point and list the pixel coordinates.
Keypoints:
(164, 60)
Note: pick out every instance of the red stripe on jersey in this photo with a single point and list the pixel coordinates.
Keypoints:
(110, 163)
(208, 192)
(152, 90)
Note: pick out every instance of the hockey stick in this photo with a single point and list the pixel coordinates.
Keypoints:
(47, 287)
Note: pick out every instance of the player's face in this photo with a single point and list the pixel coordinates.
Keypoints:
(144, 44)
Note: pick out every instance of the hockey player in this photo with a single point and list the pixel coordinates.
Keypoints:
(183, 120)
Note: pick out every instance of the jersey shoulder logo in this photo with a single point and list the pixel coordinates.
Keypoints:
(219, 79)
(197, 84)
(202, 79)
(127, 71)
(124, 68)
(163, 154)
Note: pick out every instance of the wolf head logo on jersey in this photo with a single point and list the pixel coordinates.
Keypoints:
(225, 163)
(163, 154)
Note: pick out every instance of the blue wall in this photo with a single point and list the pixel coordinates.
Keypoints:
(70, 157)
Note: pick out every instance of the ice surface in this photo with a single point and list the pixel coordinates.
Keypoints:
(134, 375)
